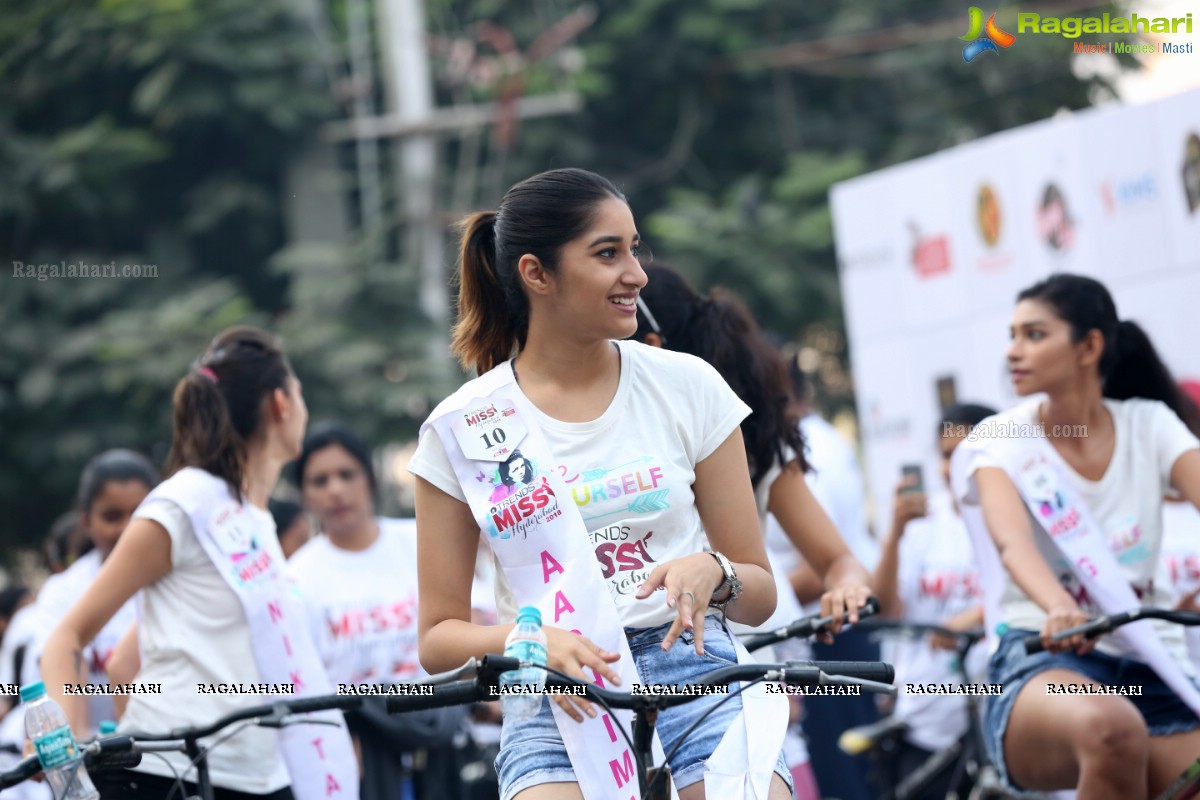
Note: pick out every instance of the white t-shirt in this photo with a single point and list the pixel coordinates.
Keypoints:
(62, 591)
(937, 579)
(362, 605)
(630, 471)
(193, 630)
(1181, 561)
(1126, 503)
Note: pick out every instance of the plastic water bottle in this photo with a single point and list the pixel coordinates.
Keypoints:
(47, 727)
(527, 641)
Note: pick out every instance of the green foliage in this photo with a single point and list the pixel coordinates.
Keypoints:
(148, 132)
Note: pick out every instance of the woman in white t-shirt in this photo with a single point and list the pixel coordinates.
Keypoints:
(358, 579)
(647, 446)
(215, 609)
(928, 574)
(111, 487)
(720, 330)
(1109, 413)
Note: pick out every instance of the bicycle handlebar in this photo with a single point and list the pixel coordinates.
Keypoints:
(871, 675)
(806, 626)
(1102, 625)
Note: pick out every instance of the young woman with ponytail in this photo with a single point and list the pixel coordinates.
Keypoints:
(1068, 487)
(214, 607)
(636, 534)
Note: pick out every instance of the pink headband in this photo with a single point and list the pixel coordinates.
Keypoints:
(208, 373)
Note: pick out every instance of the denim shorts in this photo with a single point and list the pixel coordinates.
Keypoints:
(533, 753)
(1010, 666)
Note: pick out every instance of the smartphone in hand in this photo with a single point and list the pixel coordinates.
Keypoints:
(908, 471)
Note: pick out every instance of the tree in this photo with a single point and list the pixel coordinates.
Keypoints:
(133, 132)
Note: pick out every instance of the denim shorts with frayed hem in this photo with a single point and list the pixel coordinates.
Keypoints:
(532, 752)
(1010, 666)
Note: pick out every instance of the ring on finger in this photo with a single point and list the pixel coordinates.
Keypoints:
(689, 594)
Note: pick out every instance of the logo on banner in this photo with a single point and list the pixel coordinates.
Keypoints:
(930, 254)
(1128, 193)
(1054, 223)
(987, 215)
(983, 37)
(1191, 172)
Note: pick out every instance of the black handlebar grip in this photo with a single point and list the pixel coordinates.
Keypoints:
(1033, 644)
(305, 705)
(870, 608)
(450, 694)
(20, 773)
(117, 760)
(877, 671)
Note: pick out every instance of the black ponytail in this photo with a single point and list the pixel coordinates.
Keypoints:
(1137, 371)
(218, 404)
(1129, 365)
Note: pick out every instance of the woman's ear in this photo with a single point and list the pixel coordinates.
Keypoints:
(279, 404)
(534, 274)
(1091, 348)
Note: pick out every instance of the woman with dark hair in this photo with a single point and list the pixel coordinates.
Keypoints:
(215, 605)
(720, 330)
(927, 574)
(358, 578)
(1068, 487)
(111, 487)
(635, 524)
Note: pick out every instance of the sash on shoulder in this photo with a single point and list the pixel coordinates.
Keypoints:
(1052, 500)
(320, 758)
(507, 472)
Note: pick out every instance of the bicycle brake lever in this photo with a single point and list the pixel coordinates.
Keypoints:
(875, 687)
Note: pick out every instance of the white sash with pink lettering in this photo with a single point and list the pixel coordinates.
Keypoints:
(544, 550)
(1036, 469)
(320, 758)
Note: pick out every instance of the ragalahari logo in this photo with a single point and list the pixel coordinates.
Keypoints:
(983, 38)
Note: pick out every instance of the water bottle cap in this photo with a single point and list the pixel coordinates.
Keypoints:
(529, 614)
(108, 727)
(32, 691)
(1002, 629)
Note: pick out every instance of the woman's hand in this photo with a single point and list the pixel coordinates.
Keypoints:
(907, 505)
(689, 582)
(847, 598)
(1060, 618)
(570, 653)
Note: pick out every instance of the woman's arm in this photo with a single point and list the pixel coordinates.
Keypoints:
(123, 665)
(1008, 524)
(447, 540)
(1185, 476)
(725, 502)
(812, 532)
(906, 506)
(141, 557)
